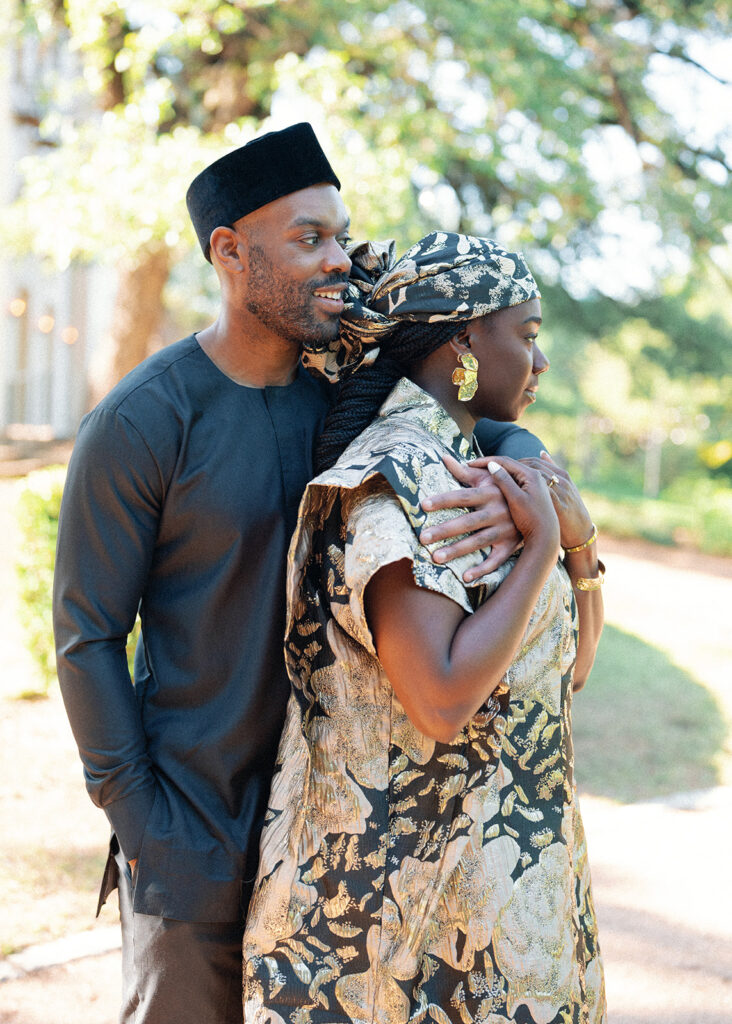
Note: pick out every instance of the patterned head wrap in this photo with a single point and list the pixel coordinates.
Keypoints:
(444, 276)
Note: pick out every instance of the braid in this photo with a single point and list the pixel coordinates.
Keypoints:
(358, 401)
(362, 394)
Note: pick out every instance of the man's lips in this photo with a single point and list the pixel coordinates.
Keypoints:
(331, 297)
(531, 392)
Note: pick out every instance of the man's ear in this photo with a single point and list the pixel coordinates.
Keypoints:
(228, 250)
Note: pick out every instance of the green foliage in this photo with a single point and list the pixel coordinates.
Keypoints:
(700, 517)
(501, 102)
(710, 527)
(579, 132)
(38, 511)
(618, 753)
(38, 508)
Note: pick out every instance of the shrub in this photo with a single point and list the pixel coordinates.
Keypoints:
(695, 515)
(711, 501)
(37, 511)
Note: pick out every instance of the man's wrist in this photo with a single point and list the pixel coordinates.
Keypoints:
(128, 817)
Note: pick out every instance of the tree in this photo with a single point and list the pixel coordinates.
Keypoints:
(544, 124)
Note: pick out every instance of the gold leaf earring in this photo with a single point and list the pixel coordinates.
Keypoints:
(466, 376)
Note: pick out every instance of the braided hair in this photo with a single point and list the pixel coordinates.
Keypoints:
(362, 394)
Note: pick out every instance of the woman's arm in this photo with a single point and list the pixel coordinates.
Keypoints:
(442, 663)
(590, 610)
(576, 529)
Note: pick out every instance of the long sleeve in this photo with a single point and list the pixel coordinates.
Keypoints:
(181, 496)
(507, 439)
(107, 532)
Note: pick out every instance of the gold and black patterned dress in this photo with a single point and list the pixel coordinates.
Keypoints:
(402, 879)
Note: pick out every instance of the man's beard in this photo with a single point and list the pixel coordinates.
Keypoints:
(284, 308)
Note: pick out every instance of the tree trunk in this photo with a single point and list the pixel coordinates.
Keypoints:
(138, 310)
(583, 445)
(652, 464)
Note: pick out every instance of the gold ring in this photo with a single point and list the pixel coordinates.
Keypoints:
(554, 479)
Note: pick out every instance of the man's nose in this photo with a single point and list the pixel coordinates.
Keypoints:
(335, 258)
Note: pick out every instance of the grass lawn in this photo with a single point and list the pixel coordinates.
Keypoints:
(643, 727)
(52, 840)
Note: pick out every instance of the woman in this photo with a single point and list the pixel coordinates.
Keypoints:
(424, 857)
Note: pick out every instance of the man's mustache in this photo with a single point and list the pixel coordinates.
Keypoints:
(329, 281)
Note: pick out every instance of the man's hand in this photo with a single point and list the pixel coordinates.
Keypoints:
(133, 865)
(489, 524)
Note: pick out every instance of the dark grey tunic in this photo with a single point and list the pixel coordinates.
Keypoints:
(181, 497)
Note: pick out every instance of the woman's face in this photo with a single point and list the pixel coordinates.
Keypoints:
(510, 360)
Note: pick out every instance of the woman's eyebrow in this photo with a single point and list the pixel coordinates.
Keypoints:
(532, 319)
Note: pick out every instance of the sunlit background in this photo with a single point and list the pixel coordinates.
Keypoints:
(595, 135)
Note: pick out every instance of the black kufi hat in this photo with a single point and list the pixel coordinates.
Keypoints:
(267, 168)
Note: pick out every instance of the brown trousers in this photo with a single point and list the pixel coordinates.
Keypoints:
(176, 972)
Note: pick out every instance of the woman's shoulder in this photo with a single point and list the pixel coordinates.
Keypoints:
(383, 476)
(406, 455)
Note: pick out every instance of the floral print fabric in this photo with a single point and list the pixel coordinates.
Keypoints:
(402, 879)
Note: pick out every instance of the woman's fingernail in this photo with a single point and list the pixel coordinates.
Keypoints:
(427, 504)
(545, 454)
(426, 537)
(493, 467)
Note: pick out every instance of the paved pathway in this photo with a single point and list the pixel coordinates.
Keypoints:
(664, 907)
(684, 602)
(663, 898)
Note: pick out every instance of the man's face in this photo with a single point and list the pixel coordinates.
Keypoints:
(297, 266)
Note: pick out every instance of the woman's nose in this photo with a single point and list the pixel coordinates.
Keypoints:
(541, 363)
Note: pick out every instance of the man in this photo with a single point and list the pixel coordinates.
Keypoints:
(181, 496)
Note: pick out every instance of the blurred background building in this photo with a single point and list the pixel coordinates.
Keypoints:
(50, 318)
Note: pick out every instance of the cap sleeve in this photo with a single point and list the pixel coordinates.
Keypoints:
(378, 533)
(363, 515)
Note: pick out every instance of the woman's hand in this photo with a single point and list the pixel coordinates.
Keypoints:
(574, 520)
(529, 501)
(576, 529)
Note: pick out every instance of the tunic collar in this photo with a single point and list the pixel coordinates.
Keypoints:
(410, 402)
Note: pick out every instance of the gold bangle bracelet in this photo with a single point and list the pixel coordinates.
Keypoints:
(593, 582)
(587, 543)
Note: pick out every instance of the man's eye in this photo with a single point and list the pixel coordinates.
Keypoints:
(311, 240)
(345, 240)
